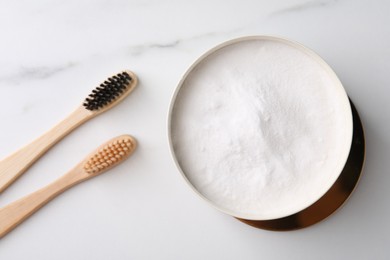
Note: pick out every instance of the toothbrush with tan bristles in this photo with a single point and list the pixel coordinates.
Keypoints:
(102, 98)
(102, 159)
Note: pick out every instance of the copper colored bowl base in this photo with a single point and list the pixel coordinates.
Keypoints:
(334, 197)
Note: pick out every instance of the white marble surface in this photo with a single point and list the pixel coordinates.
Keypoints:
(54, 52)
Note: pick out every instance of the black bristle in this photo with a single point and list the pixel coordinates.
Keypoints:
(108, 91)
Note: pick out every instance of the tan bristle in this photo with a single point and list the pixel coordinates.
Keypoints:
(109, 155)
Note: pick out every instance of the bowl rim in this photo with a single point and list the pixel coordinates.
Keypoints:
(296, 45)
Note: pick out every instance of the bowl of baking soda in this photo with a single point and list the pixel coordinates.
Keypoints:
(260, 127)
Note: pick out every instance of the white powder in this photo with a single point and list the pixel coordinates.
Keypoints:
(261, 128)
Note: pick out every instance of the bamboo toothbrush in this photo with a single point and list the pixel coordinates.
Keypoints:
(102, 98)
(102, 159)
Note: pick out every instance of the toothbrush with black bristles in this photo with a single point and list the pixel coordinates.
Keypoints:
(102, 98)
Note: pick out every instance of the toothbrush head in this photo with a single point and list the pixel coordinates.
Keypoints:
(110, 92)
(110, 154)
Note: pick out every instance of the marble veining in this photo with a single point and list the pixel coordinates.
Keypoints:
(25, 74)
(53, 51)
(140, 49)
(176, 43)
(305, 6)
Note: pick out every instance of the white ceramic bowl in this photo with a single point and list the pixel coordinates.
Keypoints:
(340, 95)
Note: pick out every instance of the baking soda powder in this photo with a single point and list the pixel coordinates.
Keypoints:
(261, 129)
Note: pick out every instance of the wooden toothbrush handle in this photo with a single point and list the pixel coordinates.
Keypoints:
(17, 163)
(15, 213)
